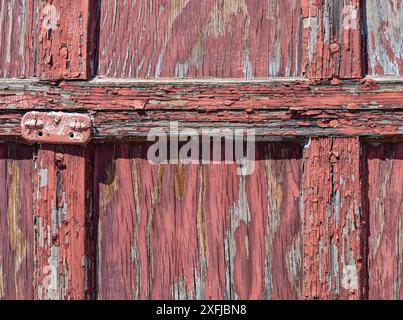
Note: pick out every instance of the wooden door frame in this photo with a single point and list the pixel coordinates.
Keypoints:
(334, 110)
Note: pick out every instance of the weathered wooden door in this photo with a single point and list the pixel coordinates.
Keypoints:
(320, 217)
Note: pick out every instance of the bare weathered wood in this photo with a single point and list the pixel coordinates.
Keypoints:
(333, 223)
(384, 187)
(68, 35)
(16, 222)
(19, 21)
(197, 231)
(64, 267)
(192, 38)
(384, 38)
(331, 39)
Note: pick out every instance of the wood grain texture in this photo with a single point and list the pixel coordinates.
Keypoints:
(197, 231)
(123, 110)
(192, 38)
(16, 222)
(331, 39)
(19, 22)
(203, 96)
(384, 164)
(63, 266)
(67, 39)
(384, 38)
(333, 223)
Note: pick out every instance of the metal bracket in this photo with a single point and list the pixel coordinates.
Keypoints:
(56, 127)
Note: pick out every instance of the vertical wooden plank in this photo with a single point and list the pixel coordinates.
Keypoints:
(68, 36)
(63, 262)
(331, 39)
(253, 228)
(385, 214)
(333, 224)
(141, 216)
(19, 22)
(384, 39)
(16, 222)
(198, 231)
(192, 38)
(115, 219)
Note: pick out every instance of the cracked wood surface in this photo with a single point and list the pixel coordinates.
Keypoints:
(294, 108)
(331, 39)
(384, 187)
(19, 24)
(192, 38)
(16, 222)
(67, 39)
(384, 38)
(64, 265)
(333, 222)
(198, 231)
(322, 224)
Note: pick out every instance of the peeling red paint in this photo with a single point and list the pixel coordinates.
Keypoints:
(18, 38)
(385, 52)
(56, 128)
(360, 108)
(63, 255)
(331, 47)
(67, 39)
(384, 171)
(16, 222)
(102, 222)
(223, 38)
(198, 231)
(333, 221)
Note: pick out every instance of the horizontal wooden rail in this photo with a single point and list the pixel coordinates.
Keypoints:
(274, 108)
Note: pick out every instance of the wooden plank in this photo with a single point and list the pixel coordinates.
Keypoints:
(331, 39)
(197, 231)
(16, 222)
(109, 126)
(192, 38)
(333, 224)
(124, 109)
(384, 184)
(64, 265)
(201, 96)
(384, 38)
(19, 22)
(68, 35)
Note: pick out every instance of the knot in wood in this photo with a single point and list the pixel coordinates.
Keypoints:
(334, 47)
(59, 156)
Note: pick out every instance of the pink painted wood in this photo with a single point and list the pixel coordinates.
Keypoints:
(16, 222)
(175, 232)
(384, 186)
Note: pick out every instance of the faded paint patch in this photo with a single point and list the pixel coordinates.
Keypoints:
(50, 17)
(350, 279)
(294, 263)
(112, 186)
(1, 283)
(16, 236)
(385, 32)
(43, 177)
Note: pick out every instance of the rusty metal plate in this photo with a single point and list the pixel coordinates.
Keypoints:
(56, 127)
